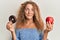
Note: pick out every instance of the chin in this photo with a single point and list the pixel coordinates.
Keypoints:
(29, 17)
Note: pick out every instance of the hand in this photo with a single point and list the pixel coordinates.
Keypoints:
(9, 26)
(49, 27)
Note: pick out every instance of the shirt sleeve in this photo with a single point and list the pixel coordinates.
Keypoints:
(17, 35)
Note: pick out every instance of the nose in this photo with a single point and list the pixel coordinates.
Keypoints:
(29, 12)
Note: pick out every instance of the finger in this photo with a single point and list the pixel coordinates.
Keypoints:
(9, 23)
(48, 29)
(8, 26)
(47, 24)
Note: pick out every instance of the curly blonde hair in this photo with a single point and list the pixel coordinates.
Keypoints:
(36, 18)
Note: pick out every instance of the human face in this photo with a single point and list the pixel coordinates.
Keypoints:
(29, 11)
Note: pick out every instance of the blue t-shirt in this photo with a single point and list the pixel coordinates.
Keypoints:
(28, 34)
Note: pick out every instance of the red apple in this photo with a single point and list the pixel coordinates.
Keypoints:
(49, 19)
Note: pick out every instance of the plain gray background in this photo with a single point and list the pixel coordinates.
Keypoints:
(47, 8)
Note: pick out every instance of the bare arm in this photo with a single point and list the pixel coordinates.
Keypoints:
(45, 35)
(10, 27)
(13, 35)
(49, 27)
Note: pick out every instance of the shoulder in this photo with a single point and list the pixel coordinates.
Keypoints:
(18, 26)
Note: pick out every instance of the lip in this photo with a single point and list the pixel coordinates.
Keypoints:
(29, 15)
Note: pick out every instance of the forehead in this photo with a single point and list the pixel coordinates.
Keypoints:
(29, 6)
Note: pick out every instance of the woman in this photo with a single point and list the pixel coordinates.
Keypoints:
(29, 25)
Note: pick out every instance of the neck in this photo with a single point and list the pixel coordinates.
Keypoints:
(29, 21)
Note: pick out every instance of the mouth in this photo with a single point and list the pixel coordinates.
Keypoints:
(30, 15)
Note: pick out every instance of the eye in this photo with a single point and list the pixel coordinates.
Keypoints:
(26, 9)
(32, 9)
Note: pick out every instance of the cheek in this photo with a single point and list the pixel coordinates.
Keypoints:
(31, 13)
(26, 12)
